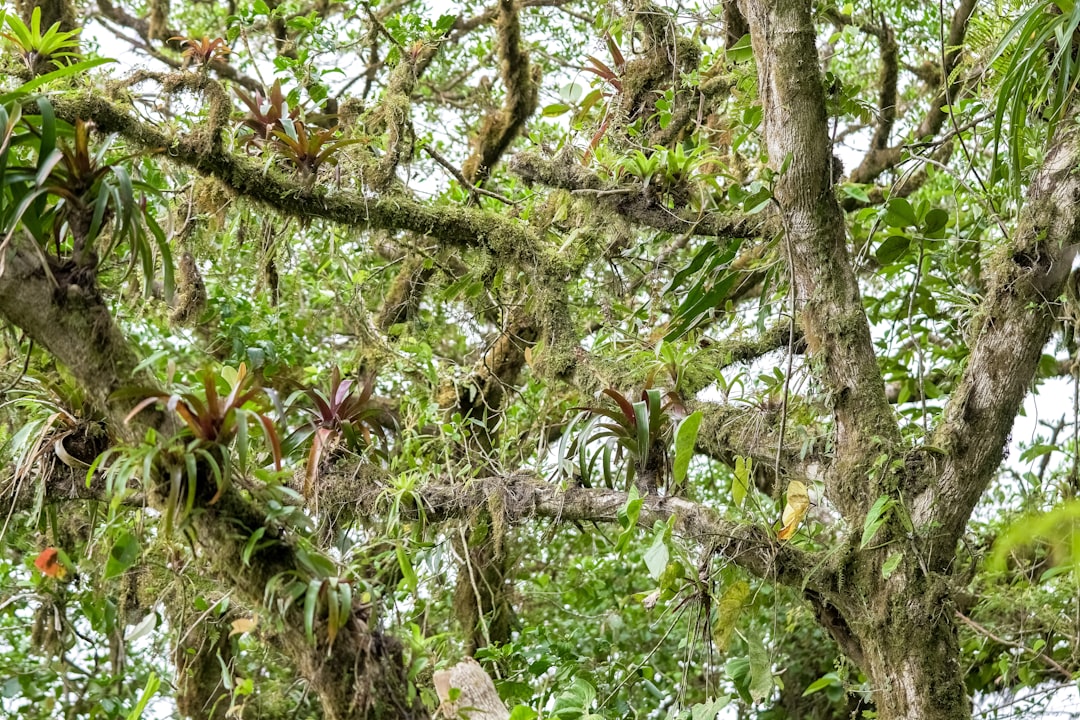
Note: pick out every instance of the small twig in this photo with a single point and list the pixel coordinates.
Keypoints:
(26, 366)
(473, 189)
(601, 193)
(1008, 643)
(472, 581)
(382, 28)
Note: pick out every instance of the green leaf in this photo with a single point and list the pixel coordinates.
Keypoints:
(444, 24)
(892, 248)
(879, 513)
(555, 110)
(738, 670)
(855, 191)
(761, 678)
(252, 544)
(628, 518)
(826, 680)
(709, 709)
(899, 213)
(890, 565)
(123, 554)
(708, 250)
(935, 221)
(65, 71)
(728, 609)
(741, 51)
(523, 712)
(408, 575)
(740, 482)
(153, 682)
(576, 701)
(311, 602)
(641, 415)
(656, 557)
(685, 439)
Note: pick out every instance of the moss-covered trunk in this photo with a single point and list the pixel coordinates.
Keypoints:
(903, 636)
(914, 666)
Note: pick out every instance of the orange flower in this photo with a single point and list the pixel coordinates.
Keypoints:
(48, 562)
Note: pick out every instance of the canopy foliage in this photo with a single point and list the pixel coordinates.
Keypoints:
(660, 355)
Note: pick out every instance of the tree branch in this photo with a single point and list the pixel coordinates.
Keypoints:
(141, 26)
(62, 311)
(522, 83)
(455, 226)
(881, 158)
(524, 496)
(833, 320)
(1010, 329)
(631, 202)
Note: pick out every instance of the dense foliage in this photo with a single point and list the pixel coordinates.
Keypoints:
(661, 356)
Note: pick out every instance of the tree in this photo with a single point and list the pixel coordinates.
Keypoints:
(342, 342)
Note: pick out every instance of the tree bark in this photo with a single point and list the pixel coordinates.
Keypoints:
(834, 323)
(898, 630)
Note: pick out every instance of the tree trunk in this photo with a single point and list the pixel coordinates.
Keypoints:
(911, 654)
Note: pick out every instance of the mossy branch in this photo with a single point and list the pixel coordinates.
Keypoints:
(522, 83)
(632, 203)
(524, 497)
(1010, 328)
(456, 227)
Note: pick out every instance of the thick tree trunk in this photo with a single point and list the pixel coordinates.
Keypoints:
(914, 669)
(907, 646)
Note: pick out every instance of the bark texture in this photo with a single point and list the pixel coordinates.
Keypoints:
(835, 326)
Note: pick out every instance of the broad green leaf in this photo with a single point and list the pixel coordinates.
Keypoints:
(892, 248)
(709, 709)
(741, 51)
(890, 565)
(826, 680)
(123, 554)
(738, 671)
(728, 609)
(656, 557)
(685, 439)
(935, 221)
(575, 701)
(899, 213)
(761, 678)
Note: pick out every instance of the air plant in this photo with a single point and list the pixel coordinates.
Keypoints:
(273, 123)
(88, 192)
(341, 413)
(612, 77)
(212, 422)
(267, 113)
(307, 150)
(637, 432)
(203, 51)
(38, 50)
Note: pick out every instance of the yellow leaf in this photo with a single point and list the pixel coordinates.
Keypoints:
(728, 609)
(798, 502)
(243, 625)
